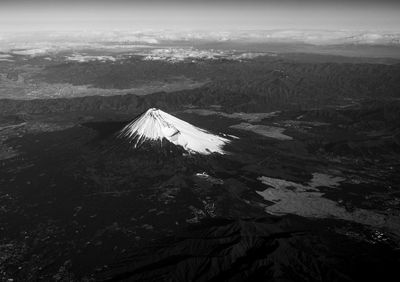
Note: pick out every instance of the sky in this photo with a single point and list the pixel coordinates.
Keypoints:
(24, 15)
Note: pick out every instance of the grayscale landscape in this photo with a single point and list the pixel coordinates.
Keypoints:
(201, 141)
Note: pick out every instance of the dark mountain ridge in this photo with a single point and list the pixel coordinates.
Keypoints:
(273, 249)
(262, 84)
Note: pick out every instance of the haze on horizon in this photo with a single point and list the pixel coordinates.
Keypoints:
(37, 15)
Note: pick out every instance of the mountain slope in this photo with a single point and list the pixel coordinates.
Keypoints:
(264, 249)
(156, 125)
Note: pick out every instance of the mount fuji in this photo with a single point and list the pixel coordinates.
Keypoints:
(156, 125)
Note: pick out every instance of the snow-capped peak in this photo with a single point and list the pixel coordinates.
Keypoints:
(155, 124)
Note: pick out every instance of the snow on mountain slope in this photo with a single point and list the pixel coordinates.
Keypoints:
(157, 125)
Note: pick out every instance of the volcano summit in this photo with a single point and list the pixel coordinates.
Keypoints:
(156, 125)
